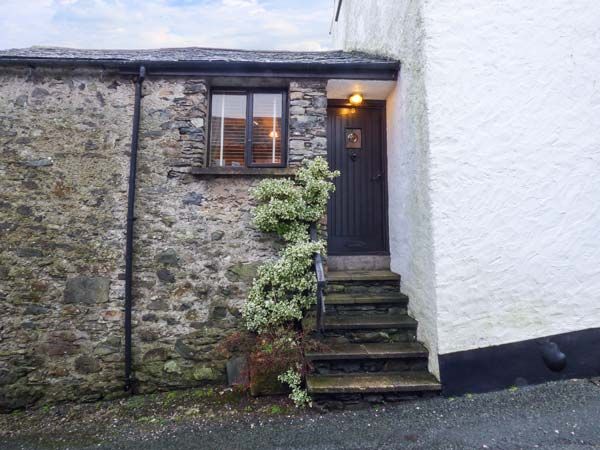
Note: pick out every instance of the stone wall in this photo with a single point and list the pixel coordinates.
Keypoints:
(196, 251)
(308, 118)
(64, 138)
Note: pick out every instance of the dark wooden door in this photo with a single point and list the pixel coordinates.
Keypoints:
(357, 211)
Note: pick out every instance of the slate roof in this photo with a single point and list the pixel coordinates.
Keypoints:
(196, 54)
(204, 58)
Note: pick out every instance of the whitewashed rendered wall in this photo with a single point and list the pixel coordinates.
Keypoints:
(394, 28)
(514, 133)
(494, 163)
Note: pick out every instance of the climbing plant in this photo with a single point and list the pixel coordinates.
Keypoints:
(285, 289)
(288, 206)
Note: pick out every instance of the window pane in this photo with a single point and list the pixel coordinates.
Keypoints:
(266, 129)
(227, 130)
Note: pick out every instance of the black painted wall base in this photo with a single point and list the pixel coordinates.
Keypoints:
(519, 363)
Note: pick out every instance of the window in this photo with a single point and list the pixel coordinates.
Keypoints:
(247, 128)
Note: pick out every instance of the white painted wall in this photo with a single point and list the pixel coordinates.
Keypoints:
(393, 28)
(494, 163)
(514, 134)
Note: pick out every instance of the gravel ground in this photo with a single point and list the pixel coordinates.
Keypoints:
(561, 415)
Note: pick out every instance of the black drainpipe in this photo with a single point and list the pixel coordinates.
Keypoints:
(130, 218)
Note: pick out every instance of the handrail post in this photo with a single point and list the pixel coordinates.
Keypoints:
(321, 281)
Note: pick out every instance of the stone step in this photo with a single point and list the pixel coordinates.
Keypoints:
(361, 275)
(369, 351)
(376, 322)
(363, 288)
(368, 358)
(362, 366)
(372, 383)
(375, 328)
(370, 336)
(362, 310)
(366, 299)
(358, 262)
(362, 282)
(366, 304)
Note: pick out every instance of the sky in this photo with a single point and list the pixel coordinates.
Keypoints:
(243, 24)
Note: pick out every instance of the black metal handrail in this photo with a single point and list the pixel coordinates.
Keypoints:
(321, 281)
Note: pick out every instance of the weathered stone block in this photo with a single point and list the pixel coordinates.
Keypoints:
(266, 383)
(165, 275)
(296, 144)
(242, 272)
(194, 88)
(44, 162)
(184, 350)
(172, 367)
(10, 374)
(169, 257)
(218, 312)
(87, 290)
(158, 305)
(61, 348)
(19, 396)
(21, 100)
(157, 354)
(87, 364)
(25, 210)
(28, 252)
(104, 350)
(237, 371)
(217, 235)
(197, 122)
(34, 310)
(205, 374)
(39, 92)
(150, 317)
(193, 198)
(147, 335)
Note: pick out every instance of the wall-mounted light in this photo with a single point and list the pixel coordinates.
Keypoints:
(355, 99)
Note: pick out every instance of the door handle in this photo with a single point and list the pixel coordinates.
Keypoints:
(376, 177)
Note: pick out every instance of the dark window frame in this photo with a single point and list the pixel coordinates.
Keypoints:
(249, 92)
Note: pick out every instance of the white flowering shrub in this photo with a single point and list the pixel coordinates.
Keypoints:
(293, 378)
(285, 289)
(288, 207)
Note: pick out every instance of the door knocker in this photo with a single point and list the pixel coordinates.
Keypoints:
(352, 138)
(353, 141)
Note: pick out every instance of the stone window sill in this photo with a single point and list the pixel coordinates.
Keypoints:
(243, 171)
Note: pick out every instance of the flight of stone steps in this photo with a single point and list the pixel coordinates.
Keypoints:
(368, 352)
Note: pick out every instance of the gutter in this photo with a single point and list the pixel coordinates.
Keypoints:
(129, 380)
(384, 70)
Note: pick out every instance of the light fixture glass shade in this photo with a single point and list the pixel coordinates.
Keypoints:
(355, 99)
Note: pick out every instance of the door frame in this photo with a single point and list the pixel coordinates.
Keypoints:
(377, 105)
